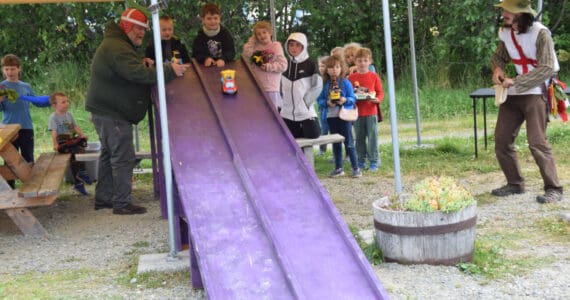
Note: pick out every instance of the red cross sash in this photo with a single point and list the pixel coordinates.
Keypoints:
(523, 61)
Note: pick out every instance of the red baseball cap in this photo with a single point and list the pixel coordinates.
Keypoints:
(132, 17)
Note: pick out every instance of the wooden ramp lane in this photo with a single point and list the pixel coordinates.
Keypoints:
(235, 257)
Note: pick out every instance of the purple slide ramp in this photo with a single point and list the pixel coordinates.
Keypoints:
(261, 224)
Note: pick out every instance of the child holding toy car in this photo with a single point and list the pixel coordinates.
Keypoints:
(369, 95)
(173, 49)
(268, 58)
(335, 101)
(67, 137)
(17, 111)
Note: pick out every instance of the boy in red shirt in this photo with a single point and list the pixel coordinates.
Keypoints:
(369, 95)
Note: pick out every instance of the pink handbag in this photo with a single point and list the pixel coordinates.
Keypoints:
(348, 114)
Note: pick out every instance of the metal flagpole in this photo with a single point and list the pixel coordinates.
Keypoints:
(392, 94)
(414, 73)
(154, 8)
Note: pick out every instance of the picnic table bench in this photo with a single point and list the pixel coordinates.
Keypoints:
(307, 144)
(95, 156)
(41, 182)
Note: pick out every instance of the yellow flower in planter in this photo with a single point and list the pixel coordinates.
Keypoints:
(439, 193)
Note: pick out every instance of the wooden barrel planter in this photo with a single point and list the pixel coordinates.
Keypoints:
(434, 238)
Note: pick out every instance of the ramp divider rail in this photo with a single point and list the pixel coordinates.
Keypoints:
(250, 190)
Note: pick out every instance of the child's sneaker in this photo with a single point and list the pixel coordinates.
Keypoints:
(361, 165)
(336, 173)
(373, 168)
(80, 187)
(356, 173)
(85, 179)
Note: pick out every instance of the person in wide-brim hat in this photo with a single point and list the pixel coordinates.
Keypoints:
(517, 6)
(527, 45)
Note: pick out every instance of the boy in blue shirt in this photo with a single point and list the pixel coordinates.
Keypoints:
(18, 111)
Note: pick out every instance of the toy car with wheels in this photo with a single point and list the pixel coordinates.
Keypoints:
(362, 93)
(365, 96)
(74, 145)
(334, 94)
(229, 86)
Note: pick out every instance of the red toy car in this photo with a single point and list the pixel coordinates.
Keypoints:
(229, 85)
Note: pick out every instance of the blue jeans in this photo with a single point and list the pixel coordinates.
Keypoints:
(344, 128)
(324, 126)
(366, 129)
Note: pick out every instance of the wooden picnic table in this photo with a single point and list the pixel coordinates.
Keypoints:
(41, 182)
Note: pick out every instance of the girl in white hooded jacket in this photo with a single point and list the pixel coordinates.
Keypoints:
(301, 84)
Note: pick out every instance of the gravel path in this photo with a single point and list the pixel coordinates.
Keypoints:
(550, 280)
(107, 245)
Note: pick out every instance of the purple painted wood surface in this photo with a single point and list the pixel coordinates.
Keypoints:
(260, 222)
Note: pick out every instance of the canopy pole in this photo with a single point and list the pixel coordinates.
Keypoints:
(164, 128)
(392, 94)
(414, 73)
(272, 13)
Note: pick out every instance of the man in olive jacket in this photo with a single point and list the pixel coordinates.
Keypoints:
(118, 97)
